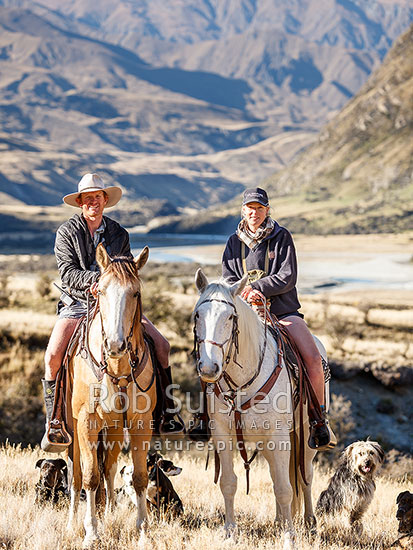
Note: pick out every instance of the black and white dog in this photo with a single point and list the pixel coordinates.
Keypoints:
(352, 487)
(52, 484)
(160, 493)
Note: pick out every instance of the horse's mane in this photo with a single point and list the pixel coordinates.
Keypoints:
(249, 324)
(124, 269)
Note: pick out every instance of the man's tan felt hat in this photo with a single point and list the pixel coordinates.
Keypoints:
(93, 182)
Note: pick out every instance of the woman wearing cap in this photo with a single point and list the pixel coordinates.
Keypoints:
(264, 249)
(75, 248)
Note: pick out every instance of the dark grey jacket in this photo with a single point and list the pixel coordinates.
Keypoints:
(279, 284)
(75, 252)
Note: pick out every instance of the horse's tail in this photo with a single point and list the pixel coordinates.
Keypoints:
(295, 477)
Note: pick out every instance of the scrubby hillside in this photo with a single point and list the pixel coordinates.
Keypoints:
(359, 174)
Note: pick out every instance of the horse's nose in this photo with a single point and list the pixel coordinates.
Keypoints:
(208, 373)
(116, 347)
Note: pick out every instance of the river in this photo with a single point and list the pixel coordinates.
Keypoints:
(329, 269)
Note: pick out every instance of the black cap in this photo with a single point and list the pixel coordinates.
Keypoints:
(255, 194)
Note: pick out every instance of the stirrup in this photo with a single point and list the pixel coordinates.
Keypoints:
(171, 426)
(56, 438)
(332, 440)
(200, 431)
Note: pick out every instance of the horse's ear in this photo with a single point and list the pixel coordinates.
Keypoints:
(239, 286)
(201, 281)
(141, 260)
(102, 257)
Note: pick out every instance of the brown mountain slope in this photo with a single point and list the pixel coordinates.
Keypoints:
(358, 176)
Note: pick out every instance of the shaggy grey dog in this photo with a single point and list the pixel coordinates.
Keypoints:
(352, 487)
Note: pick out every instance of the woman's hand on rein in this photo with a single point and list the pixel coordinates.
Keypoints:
(250, 295)
(94, 289)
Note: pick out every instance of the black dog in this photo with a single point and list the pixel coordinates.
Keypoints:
(404, 515)
(160, 493)
(404, 512)
(52, 485)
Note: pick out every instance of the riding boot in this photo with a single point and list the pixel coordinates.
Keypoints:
(54, 440)
(200, 430)
(321, 438)
(171, 423)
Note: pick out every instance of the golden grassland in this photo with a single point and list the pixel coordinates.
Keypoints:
(24, 525)
(360, 328)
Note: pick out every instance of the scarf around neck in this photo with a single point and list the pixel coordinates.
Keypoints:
(252, 240)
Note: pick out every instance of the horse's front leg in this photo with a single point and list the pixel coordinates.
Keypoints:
(88, 441)
(278, 461)
(115, 438)
(139, 448)
(227, 481)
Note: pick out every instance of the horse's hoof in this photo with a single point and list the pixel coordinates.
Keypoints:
(89, 543)
(144, 542)
(311, 526)
(231, 531)
(289, 542)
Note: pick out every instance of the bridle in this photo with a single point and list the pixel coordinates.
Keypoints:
(136, 365)
(233, 340)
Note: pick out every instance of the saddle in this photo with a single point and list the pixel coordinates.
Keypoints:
(292, 359)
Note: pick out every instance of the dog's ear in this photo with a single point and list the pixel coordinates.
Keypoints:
(401, 495)
(348, 450)
(61, 464)
(379, 450)
(40, 462)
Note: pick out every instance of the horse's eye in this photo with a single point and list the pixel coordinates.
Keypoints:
(137, 294)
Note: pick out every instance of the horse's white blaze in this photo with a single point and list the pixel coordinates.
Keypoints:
(211, 358)
(115, 330)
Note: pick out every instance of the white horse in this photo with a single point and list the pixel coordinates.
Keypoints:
(235, 352)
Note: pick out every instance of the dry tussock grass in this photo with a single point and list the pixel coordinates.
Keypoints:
(24, 525)
(26, 321)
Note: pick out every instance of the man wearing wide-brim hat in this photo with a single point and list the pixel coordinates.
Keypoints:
(75, 251)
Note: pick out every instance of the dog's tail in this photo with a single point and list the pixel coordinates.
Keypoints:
(297, 504)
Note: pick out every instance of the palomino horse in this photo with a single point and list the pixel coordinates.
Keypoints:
(118, 349)
(236, 358)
